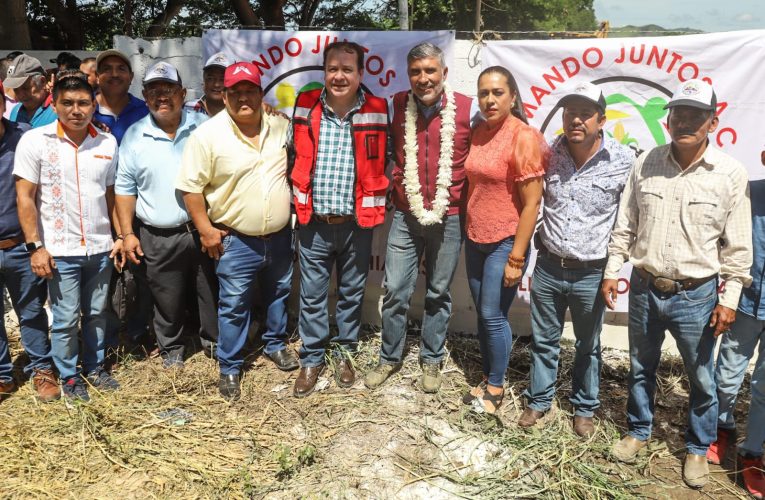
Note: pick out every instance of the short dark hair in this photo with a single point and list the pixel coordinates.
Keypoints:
(69, 79)
(518, 110)
(350, 48)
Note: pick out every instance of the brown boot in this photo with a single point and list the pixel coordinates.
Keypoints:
(529, 417)
(306, 380)
(627, 448)
(345, 376)
(46, 385)
(6, 388)
(583, 426)
(696, 471)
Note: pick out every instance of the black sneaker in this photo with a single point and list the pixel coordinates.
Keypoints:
(75, 389)
(100, 379)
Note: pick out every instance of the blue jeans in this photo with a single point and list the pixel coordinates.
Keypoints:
(553, 290)
(27, 293)
(408, 240)
(485, 265)
(80, 285)
(736, 349)
(246, 259)
(322, 247)
(686, 316)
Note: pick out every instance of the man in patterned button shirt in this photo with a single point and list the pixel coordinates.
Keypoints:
(584, 181)
(684, 220)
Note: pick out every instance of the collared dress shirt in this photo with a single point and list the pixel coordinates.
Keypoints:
(752, 298)
(119, 124)
(580, 205)
(245, 186)
(73, 218)
(9, 217)
(690, 223)
(149, 164)
(334, 177)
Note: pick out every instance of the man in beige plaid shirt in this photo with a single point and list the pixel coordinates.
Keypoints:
(684, 221)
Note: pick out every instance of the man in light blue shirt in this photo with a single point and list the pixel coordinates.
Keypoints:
(583, 184)
(150, 157)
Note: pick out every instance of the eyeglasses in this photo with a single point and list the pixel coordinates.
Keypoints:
(162, 92)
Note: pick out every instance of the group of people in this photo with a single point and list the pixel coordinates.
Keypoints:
(202, 200)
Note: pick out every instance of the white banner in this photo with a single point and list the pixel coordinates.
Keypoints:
(291, 60)
(638, 76)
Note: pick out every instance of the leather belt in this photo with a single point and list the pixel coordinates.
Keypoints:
(667, 285)
(565, 263)
(11, 242)
(264, 237)
(333, 219)
(186, 227)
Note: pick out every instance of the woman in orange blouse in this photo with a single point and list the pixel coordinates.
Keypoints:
(504, 168)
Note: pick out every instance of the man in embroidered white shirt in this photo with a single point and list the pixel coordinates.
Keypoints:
(420, 230)
(65, 188)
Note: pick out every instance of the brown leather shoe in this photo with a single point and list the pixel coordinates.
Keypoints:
(6, 388)
(529, 417)
(696, 471)
(584, 426)
(345, 375)
(626, 450)
(306, 380)
(46, 385)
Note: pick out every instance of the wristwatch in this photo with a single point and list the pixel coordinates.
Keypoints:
(33, 245)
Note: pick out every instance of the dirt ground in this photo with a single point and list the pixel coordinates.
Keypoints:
(168, 434)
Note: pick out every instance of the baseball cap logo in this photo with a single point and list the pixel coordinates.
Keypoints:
(241, 69)
(11, 70)
(691, 89)
(581, 89)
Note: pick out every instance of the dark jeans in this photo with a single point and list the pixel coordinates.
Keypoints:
(178, 272)
(686, 316)
(485, 265)
(247, 259)
(323, 247)
(28, 294)
(553, 290)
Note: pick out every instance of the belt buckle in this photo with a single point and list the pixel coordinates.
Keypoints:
(189, 226)
(665, 285)
(563, 263)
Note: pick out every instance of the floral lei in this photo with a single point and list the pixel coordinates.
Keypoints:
(411, 175)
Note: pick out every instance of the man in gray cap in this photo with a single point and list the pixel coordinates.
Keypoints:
(180, 276)
(211, 103)
(584, 181)
(26, 77)
(684, 222)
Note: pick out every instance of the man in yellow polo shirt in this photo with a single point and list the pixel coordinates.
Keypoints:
(234, 183)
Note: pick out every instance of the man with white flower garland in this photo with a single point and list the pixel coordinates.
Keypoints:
(431, 138)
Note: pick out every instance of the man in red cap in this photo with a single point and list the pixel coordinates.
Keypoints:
(234, 182)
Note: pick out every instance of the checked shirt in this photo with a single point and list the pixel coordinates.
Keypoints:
(334, 178)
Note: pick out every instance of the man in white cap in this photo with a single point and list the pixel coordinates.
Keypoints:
(212, 85)
(584, 181)
(26, 77)
(180, 276)
(116, 107)
(684, 222)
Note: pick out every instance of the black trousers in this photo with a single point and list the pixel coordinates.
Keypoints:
(184, 286)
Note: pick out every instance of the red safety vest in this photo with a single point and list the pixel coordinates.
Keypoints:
(370, 135)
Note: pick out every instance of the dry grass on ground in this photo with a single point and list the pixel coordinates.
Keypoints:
(169, 435)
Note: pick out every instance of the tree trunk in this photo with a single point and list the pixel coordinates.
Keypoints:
(14, 28)
(403, 14)
(162, 21)
(308, 11)
(273, 13)
(69, 21)
(245, 13)
(128, 13)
